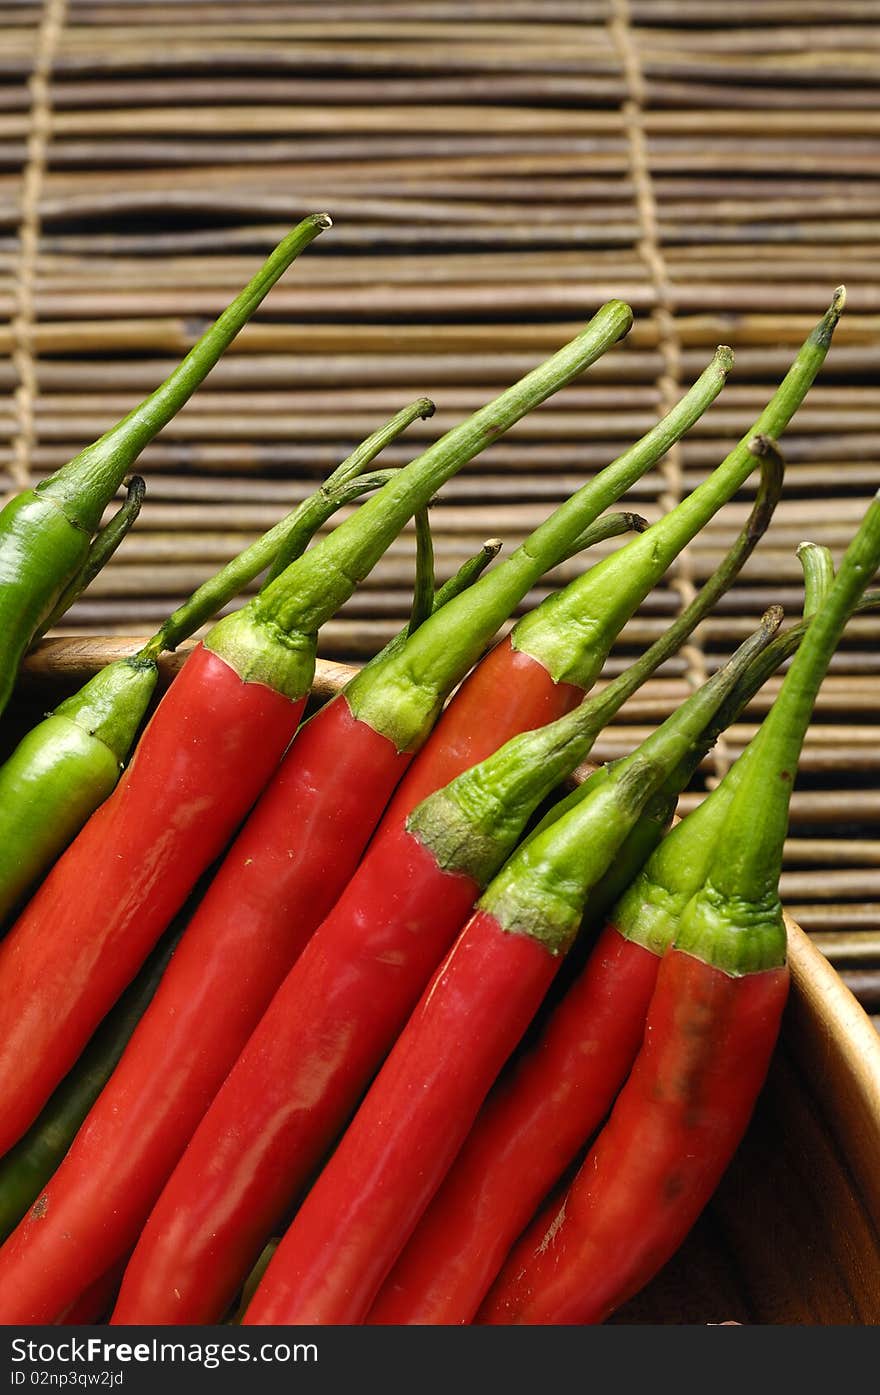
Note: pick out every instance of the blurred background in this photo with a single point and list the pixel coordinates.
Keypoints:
(495, 170)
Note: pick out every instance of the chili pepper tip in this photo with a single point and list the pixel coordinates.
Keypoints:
(826, 326)
(772, 618)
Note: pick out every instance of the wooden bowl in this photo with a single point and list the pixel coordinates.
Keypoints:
(793, 1233)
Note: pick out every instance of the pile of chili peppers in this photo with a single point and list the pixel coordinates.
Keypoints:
(361, 1018)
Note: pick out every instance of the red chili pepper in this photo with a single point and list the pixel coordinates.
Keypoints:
(209, 749)
(540, 1113)
(190, 1270)
(342, 990)
(710, 1031)
(206, 755)
(371, 1193)
(671, 1135)
(268, 896)
(524, 1138)
(95, 1302)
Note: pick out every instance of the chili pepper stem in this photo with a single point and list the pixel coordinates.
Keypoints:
(423, 588)
(605, 594)
(83, 488)
(343, 477)
(290, 537)
(818, 565)
(735, 922)
(45, 532)
(402, 700)
(272, 640)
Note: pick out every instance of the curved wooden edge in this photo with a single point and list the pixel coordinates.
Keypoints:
(72, 660)
(838, 1049)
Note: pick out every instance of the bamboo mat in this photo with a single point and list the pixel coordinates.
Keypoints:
(495, 170)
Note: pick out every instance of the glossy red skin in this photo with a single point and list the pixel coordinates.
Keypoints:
(95, 1302)
(211, 746)
(528, 1132)
(394, 1154)
(676, 1124)
(295, 1084)
(288, 864)
(507, 693)
(333, 1020)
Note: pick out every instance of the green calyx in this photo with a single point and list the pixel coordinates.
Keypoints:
(402, 697)
(738, 935)
(570, 627)
(645, 835)
(261, 651)
(543, 889)
(313, 588)
(83, 488)
(541, 892)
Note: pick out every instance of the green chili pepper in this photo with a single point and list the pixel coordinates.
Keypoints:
(46, 533)
(102, 549)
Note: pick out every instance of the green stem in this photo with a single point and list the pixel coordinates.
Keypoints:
(294, 533)
(818, 565)
(272, 640)
(819, 578)
(84, 487)
(542, 890)
(746, 870)
(102, 549)
(423, 589)
(351, 468)
(403, 699)
(466, 575)
(604, 598)
(610, 525)
(473, 822)
(650, 910)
